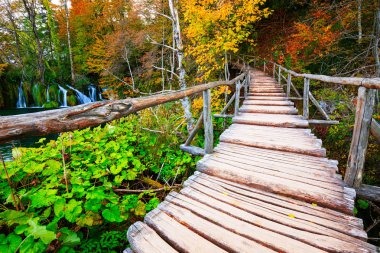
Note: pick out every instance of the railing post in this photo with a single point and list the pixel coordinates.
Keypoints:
(207, 122)
(279, 74)
(246, 81)
(274, 70)
(359, 142)
(306, 98)
(264, 66)
(237, 98)
(288, 85)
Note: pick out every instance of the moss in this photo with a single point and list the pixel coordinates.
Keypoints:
(39, 95)
(53, 92)
(51, 104)
(72, 100)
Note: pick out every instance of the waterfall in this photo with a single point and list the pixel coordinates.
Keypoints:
(64, 94)
(83, 99)
(21, 101)
(47, 94)
(92, 92)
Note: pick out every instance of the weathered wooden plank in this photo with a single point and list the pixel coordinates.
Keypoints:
(221, 237)
(268, 102)
(266, 98)
(283, 187)
(369, 192)
(309, 233)
(143, 239)
(265, 237)
(273, 144)
(207, 122)
(280, 120)
(304, 211)
(269, 109)
(358, 148)
(322, 122)
(306, 98)
(192, 150)
(179, 236)
(375, 129)
(267, 94)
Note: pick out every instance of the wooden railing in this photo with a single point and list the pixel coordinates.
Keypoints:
(363, 115)
(93, 114)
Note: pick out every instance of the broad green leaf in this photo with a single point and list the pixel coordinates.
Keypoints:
(40, 232)
(112, 214)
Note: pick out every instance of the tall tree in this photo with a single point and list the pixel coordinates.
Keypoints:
(31, 10)
(69, 41)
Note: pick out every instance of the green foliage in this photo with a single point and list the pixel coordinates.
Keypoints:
(96, 162)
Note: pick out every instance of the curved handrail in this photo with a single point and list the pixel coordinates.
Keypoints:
(91, 114)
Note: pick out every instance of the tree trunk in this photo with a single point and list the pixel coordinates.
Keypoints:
(360, 31)
(31, 10)
(69, 42)
(179, 47)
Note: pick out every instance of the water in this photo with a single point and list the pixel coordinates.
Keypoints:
(64, 94)
(47, 94)
(92, 93)
(83, 99)
(6, 148)
(21, 101)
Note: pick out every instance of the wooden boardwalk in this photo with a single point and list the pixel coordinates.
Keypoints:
(267, 188)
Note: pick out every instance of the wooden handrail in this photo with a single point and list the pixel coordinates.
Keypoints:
(92, 114)
(371, 83)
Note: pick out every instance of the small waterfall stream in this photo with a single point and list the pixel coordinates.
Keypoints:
(83, 99)
(92, 93)
(64, 95)
(21, 101)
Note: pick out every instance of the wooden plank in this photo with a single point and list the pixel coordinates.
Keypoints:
(306, 98)
(314, 235)
(266, 94)
(180, 237)
(197, 151)
(128, 250)
(281, 120)
(265, 237)
(267, 102)
(358, 148)
(207, 122)
(369, 192)
(272, 144)
(333, 190)
(283, 187)
(143, 239)
(375, 129)
(286, 159)
(221, 237)
(266, 98)
(322, 122)
(334, 187)
(269, 109)
(304, 211)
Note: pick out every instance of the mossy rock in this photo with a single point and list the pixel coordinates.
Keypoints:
(51, 105)
(53, 92)
(39, 95)
(72, 100)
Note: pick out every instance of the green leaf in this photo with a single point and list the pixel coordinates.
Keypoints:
(112, 214)
(59, 207)
(53, 167)
(40, 232)
(131, 175)
(115, 169)
(69, 238)
(363, 204)
(73, 210)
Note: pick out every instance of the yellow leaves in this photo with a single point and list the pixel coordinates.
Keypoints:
(216, 27)
(2, 67)
(292, 216)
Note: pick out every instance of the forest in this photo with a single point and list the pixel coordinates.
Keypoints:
(79, 191)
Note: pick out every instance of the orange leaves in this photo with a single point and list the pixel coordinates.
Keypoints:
(312, 40)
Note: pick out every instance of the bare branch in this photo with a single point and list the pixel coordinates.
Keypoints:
(166, 70)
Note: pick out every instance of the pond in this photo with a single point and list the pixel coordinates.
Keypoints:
(6, 148)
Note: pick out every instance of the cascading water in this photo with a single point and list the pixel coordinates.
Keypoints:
(64, 95)
(92, 93)
(21, 101)
(47, 94)
(83, 99)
